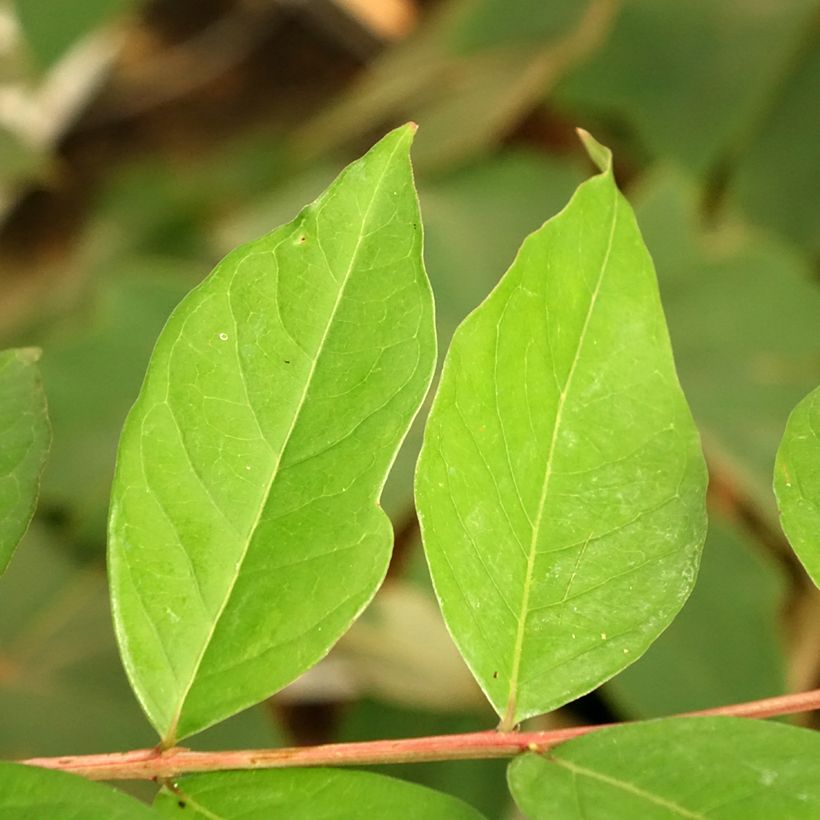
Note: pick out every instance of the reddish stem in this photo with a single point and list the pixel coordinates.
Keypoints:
(152, 764)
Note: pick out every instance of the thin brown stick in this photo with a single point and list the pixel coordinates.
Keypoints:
(154, 764)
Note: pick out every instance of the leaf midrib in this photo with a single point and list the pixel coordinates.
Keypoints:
(170, 738)
(629, 788)
(508, 720)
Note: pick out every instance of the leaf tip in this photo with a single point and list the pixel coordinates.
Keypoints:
(599, 154)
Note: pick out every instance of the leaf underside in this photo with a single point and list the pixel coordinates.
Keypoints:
(25, 436)
(797, 483)
(245, 533)
(561, 485)
(716, 768)
(312, 794)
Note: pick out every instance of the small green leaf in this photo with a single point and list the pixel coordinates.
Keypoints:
(797, 482)
(561, 485)
(245, 533)
(27, 792)
(25, 436)
(717, 768)
(312, 794)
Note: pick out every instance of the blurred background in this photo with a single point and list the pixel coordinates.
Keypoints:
(140, 141)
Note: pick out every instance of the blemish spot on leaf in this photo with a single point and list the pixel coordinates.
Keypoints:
(223, 336)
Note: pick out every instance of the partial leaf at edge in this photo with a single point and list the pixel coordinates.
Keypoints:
(25, 437)
(561, 485)
(309, 794)
(701, 768)
(797, 482)
(245, 534)
(28, 792)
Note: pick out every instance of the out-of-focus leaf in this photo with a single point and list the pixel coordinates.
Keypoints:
(167, 208)
(466, 97)
(715, 768)
(777, 179)
(490, 23)
(19, 161)
(400, 651)
(312, 794)
(724, 647)
(50, 29)
(689, 77)
(24, 441)
(479, 782)
(27, 792)
(797, 482)
(96, 359)
(249, 470)
(561, 487)
(474, 219)
(62, 687)
(743, 314)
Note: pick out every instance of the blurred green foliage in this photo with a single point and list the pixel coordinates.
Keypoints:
(711, 107)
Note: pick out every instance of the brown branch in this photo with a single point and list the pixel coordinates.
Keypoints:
(153, 764)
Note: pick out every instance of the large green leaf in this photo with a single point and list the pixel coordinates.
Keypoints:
(312, 794)
(245, 531)
(27, 792)
(797, 482)
(24, 440)
(561, 485)
(727, 768)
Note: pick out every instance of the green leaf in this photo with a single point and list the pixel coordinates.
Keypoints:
(561, 484)
(24, 441)
(312, 794)
(245, 533)
(725, 768)
(797, 482)
(725, 646)
(27, 792)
